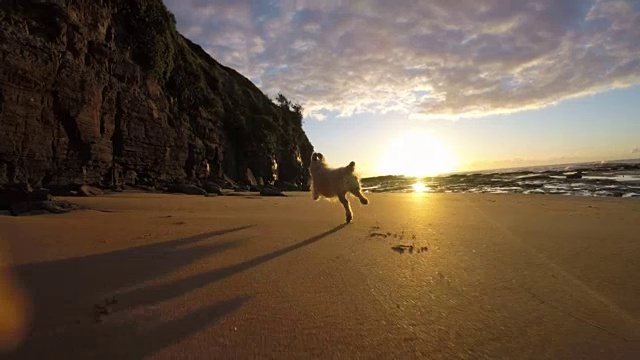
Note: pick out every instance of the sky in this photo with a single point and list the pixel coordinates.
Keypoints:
(426, 87)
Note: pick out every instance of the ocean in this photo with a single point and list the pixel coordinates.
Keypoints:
(619, 178)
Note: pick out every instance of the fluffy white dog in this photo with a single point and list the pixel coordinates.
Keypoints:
(335, 182)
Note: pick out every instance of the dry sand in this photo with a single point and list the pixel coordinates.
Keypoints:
(490, 276)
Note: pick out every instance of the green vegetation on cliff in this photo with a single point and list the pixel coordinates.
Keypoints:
(151, 30)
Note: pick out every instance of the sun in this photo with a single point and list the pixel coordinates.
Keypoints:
(417, 154)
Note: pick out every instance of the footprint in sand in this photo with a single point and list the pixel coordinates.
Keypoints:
(401, 249)
(375, 232)
(100, 310)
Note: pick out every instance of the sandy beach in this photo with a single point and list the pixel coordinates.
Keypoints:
(437, 276)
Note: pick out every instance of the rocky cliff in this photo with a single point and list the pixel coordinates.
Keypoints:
(107, 92)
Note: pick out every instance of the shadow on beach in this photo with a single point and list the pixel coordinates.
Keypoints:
(152, 294)
(64, 291)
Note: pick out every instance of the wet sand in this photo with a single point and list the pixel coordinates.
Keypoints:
(436, 276)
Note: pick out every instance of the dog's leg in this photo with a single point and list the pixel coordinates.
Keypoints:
(316, 196)
(354, 188)
(343, 200)
(358, 194)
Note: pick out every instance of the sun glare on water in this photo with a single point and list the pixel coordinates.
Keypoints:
(420, 187)
(417, 154)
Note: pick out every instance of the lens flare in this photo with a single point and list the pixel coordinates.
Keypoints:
(14, 307)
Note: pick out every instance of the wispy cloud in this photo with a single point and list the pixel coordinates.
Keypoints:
(435, 58)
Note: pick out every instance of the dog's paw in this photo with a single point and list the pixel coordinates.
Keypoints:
(364, 201)
(349, 218)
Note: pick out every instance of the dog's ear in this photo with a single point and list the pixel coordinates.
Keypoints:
(316, 157)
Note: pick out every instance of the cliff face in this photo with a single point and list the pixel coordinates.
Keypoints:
(107, 92)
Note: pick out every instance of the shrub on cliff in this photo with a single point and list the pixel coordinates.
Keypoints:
(152, 31)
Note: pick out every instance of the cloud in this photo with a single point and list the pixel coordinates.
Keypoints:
(434, 58)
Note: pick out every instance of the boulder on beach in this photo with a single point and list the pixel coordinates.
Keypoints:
(15, 193)
(250, 178)
(287, 186)
(86, 190)
(211, 188)
(43, 207)
(271, 191)
(22, 199)
(188, 189)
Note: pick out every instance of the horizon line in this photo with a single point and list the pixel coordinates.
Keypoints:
(505, 168)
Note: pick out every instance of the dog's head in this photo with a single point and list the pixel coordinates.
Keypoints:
(317, 157)
(317, 162)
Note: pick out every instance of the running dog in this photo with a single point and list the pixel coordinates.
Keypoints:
(335, 182)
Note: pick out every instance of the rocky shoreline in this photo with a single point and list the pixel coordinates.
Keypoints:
(616, 179)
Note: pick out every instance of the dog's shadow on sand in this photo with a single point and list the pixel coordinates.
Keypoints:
(152, 294)
(60, 288)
